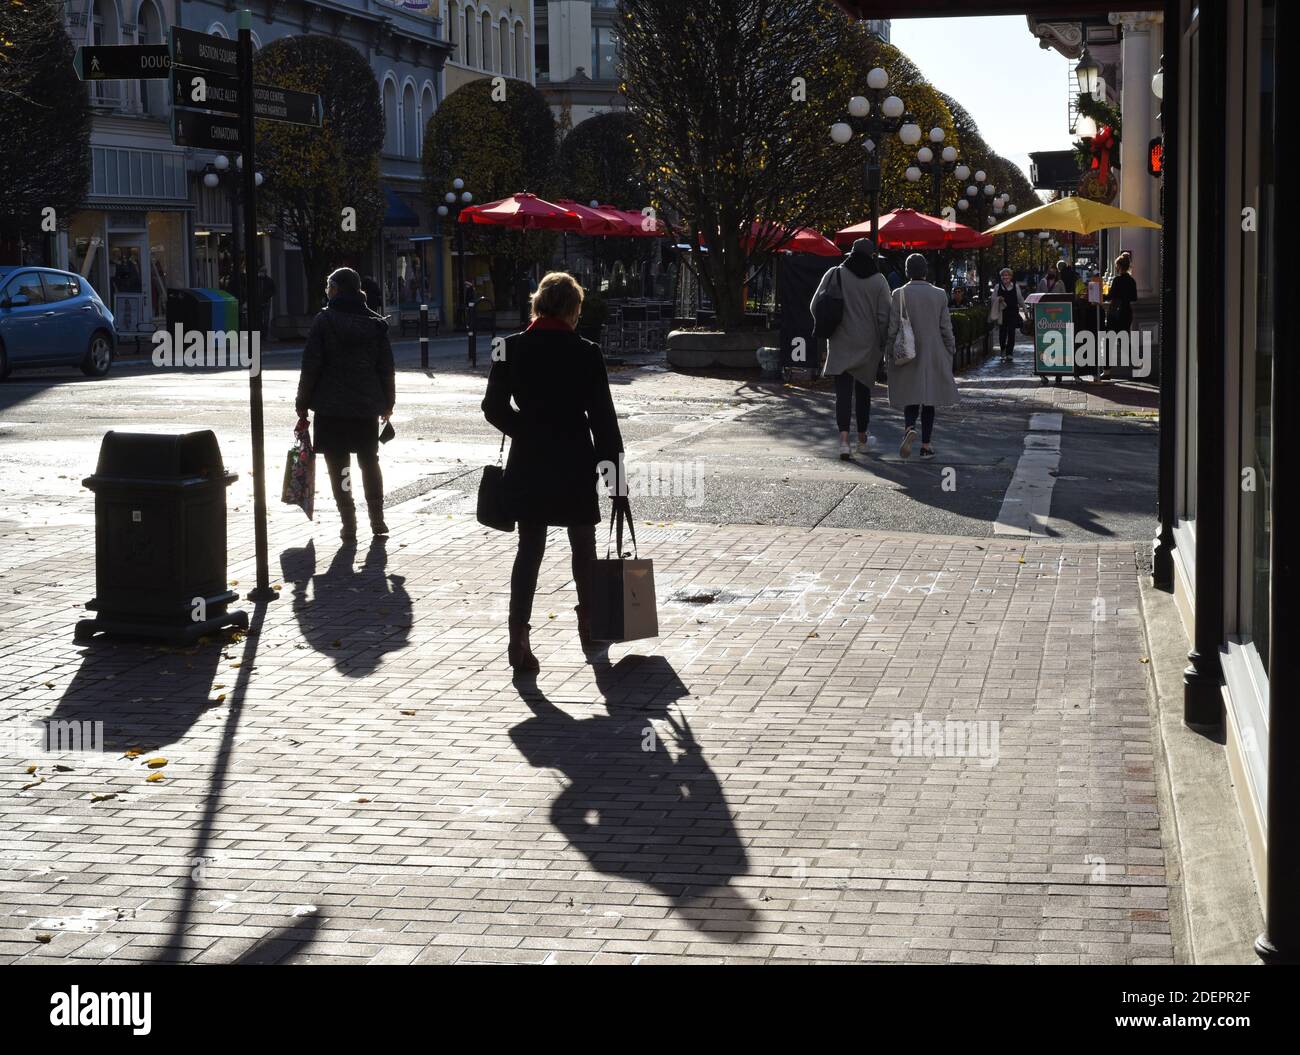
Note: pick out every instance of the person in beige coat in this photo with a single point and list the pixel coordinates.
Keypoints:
(856, 348)
(919, 386)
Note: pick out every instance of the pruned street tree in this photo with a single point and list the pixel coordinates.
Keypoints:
(499, 144)
(732, 102)
(45, 118)
(322, 184)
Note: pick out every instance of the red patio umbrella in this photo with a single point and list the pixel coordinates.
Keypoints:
(909, 229)
(635, 224)
(801, 240)
(593, 221)
(525, 211)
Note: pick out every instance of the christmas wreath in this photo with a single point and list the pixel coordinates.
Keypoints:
(1098, 155)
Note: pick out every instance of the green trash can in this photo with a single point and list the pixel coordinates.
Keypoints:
(225, 310)
(160, 538)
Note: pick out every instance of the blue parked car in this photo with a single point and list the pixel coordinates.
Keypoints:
(53, 318)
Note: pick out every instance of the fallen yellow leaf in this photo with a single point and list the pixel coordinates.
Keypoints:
(152, 777)
(156, 763)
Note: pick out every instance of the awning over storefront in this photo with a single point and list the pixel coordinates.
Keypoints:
(397, 213)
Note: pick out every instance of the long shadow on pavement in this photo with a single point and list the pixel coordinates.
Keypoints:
(633, 808)
(354, 615)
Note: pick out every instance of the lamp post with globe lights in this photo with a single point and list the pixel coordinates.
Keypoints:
(875, 116)
(457, 199)
(216, 173)
(979, 195)
(936, 159)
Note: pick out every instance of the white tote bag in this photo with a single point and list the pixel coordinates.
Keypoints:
(905, 340)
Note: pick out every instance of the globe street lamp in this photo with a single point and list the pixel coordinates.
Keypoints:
(457, 199)
(873, 117)
(976, 191)
(936, 159)
(216, 173)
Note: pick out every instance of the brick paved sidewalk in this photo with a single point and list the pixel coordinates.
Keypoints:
(359, 781)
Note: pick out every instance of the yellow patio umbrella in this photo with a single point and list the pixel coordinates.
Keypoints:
(1077, 214)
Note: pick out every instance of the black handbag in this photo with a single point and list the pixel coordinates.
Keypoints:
(492, 502)
(828, 309)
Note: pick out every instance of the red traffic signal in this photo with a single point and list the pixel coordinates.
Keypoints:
(1156, 156)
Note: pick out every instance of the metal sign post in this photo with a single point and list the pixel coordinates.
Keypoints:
(252, 305)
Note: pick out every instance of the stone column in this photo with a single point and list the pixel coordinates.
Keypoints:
(1138, 191)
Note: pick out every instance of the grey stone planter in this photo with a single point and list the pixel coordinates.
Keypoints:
(699, 349)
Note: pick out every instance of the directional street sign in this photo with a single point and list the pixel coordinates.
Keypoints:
(203, 51)
(282, 104)
(201, 90)
(212, 91)
(125, 62)
(193, 128)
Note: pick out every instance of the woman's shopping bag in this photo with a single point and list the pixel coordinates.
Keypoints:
(623, 590)
(300, 473)
(905, 340)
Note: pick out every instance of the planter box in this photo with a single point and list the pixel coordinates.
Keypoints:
(700, 349)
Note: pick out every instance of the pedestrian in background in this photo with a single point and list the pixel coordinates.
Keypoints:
(564, 429)
(347, 378)
(856, 348)
(1051, 282)
(1008, 294)
(958, 297)
(265, 295)
(920, 385)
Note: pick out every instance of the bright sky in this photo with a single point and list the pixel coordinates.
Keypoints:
(1015, 90)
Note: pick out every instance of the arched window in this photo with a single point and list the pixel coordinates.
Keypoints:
(521, 52)
(428, 103)
(410, 122)
(505, 48)
(217, 30)
(149, 30)
(456, 31)
(105, 28)
(471, 52)
(485, 24)
(392, 127)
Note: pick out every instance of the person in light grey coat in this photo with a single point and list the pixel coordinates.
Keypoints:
(856, 348)
(919, 386)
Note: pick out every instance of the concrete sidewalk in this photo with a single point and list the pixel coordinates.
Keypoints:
(358, 780)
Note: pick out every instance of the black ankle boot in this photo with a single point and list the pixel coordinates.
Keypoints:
(348, 532)
(377, 525)
(519, 652)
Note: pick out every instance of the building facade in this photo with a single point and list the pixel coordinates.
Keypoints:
(578, 54)
(150, 223)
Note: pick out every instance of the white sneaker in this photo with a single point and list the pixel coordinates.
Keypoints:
(871, 444)
(845, 454)
(905, 448)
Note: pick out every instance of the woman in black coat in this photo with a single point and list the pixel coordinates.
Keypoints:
(1123, 293)
(347, 379)
(563, 434)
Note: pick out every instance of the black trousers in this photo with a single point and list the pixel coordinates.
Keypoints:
(372, 480)
(1008, 330)
(528, 562)
(927, 420)
(849, 391)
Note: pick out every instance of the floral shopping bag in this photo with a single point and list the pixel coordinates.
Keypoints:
(300, 473)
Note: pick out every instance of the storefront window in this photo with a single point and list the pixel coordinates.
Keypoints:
(166, 258)
(86, 249)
